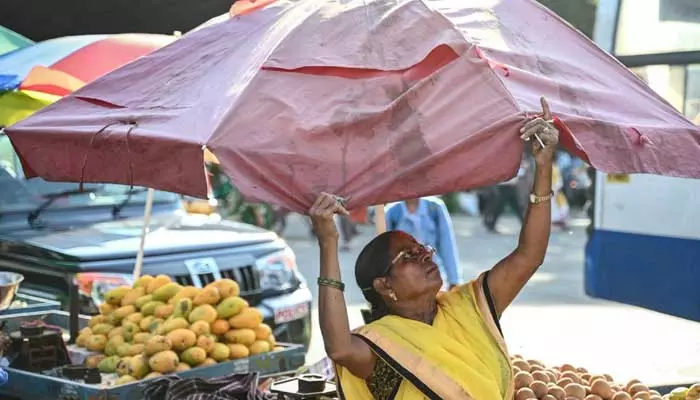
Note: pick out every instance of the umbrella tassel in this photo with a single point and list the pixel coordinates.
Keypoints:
(81, 185)
(493, 64)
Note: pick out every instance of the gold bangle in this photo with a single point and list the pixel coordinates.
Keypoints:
(331, 283)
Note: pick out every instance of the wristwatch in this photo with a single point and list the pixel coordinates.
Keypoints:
(535, 199)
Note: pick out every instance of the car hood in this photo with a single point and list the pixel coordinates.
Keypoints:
(168, 234)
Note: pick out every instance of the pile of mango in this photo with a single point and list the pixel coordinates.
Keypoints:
(159, 327)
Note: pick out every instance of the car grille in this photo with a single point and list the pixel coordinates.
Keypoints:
(246, 277)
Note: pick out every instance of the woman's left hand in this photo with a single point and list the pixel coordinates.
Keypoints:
(544, 129)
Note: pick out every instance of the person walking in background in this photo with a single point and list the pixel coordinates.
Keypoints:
(428, 220)
(560, 205)
(506, 193)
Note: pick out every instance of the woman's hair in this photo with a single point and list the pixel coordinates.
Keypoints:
(373, 262)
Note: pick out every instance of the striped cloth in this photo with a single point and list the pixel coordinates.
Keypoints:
(229, 387)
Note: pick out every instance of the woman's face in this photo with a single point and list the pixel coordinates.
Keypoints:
(412, 273)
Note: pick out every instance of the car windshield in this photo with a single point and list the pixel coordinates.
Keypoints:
(19, 194)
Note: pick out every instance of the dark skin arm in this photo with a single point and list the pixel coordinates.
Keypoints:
(341, 346)
(509, 276)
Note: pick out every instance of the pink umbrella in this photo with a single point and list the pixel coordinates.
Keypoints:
(372, 100)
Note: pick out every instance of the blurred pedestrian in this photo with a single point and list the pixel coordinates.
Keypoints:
(428, 220)
(506, 194)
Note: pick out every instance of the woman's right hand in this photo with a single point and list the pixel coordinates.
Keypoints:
(322, 212)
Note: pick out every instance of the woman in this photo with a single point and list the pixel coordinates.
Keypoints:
(422, 344)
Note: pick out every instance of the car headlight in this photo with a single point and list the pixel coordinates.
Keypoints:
(276, 270)
(94, 285)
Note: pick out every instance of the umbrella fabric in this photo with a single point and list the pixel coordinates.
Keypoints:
(60, 66)
(372, 100)
(11, 40)
(17, 105)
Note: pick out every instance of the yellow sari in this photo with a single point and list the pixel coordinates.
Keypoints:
(461, 356)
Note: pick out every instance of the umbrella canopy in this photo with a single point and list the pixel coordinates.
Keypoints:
(11, 40)
(60, 66)
(372, 100)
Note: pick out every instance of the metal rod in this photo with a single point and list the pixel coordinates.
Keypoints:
(144, 231)
(73, 309)
(379, 219)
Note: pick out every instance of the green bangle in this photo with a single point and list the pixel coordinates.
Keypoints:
(331, 283)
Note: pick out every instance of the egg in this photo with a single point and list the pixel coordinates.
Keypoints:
(602, 388)
(539, 388)
(581, 370)
(541, 376)
(621, 396)
(642, 396)
(575, 390)
(525, 394)
(564, 381)
(556, 392)
(636, 388)
(568, 367)
(549, 397)
(593, 397)
(571, 375)
(523, 380)
(609, 377)
(631, 383)
(522, 365)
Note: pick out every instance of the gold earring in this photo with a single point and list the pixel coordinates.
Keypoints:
(393, 296)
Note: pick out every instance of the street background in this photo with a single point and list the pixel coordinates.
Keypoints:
(552, 320)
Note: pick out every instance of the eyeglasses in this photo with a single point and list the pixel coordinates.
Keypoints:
(416, 254)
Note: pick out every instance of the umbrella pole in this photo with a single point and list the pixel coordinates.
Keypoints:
(379, 219)
(144, 230)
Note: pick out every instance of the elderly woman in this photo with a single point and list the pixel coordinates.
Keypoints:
(422, 343)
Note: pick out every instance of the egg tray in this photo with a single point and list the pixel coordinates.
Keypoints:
(37, 386)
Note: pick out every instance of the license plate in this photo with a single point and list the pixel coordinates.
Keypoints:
(287, 314)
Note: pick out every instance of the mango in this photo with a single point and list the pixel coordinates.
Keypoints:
(182, 339)
(135, 318)
(145, 323)
(153, 375)
(155, 325)
(172, 324)
(124, 350)
(115, 296)
(219, 327)
(123, 366)
(157, 344)
(182, 367)
(277, 348)
(129, 329)
(182, 308)
(238, 351)
(262, 331)
(136, 349)
(141, 301)
(113, 319)
(248, 318)
(124, 379)
(207, 342)
(209, 361)
(187, 292)
(227, 287)
(81, 340)
(113, 344)
(259, 347)
(205, 312)
(271, 339)
(106, 308)
(163, 311)
(143, 281)
(208, 295)
(245, 337)
(164, 362)
(166, 292)
(132, 295)
(157, 282)
(200, 328)
(221, 352)
(138, 366)
(125, 311)
(108, 365)
(230, 307)
(141, 337)
(150, 307)
(193, 356)
(118, 331)
(96, 343)
(85, 330)
(96, 320)
(94, 360)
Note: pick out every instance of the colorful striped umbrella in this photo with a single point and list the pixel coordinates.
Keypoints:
(36, 76)
(62, 65)
(11, 40)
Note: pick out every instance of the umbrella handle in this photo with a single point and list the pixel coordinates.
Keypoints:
(379, 219)
(144, 230)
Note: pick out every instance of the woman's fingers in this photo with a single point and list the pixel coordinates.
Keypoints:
(546, 113)
(326, 205)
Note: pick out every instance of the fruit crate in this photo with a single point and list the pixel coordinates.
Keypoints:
(24, 303)
(28, 385)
